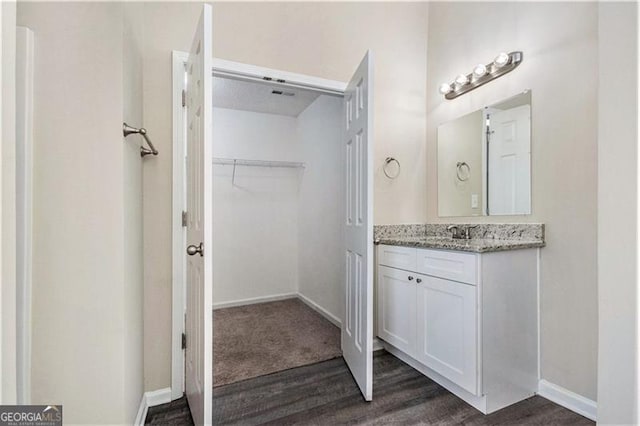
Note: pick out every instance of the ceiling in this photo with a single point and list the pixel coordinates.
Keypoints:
(258, 97)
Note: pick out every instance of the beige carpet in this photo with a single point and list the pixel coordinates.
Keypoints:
(254, 340)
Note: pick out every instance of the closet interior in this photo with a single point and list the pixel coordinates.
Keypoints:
(278, 209)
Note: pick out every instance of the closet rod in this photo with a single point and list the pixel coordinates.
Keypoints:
(257, 163)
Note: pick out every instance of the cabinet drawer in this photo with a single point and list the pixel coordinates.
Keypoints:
(397, 257)
(449, 265)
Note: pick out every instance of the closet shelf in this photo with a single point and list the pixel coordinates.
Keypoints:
(257, 163)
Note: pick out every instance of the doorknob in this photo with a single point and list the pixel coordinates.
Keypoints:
(193, 249)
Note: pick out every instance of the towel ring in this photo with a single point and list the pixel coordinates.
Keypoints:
(461, 174)
(388, 161)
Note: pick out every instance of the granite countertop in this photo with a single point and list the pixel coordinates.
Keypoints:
(475, 245)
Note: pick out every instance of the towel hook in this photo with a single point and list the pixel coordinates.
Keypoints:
(128, 130)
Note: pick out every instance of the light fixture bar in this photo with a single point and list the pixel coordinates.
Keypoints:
(494, 70)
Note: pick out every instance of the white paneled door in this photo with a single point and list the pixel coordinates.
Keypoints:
(357, 328)
(510, 161)
(198, 318)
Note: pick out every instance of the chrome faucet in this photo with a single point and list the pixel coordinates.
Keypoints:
(461, 232)
(455, 231)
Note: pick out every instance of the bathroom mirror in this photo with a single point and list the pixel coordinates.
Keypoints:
(484, 161)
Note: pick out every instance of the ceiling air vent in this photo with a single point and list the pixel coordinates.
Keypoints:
(281, 93)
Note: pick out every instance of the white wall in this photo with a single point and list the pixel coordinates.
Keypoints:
(133, 280)
(255, 221)
(328, 40)
(322, 39)
(618, 355)
(322, 205)
(87, 297)
(8, 203)
(280, 230)
(560, 45)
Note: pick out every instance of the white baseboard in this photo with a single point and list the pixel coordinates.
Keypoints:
(254, 300)
(151, 399)
(377, 344)
(157, 397)
(319, 309)
(570, 400)
(142, 412)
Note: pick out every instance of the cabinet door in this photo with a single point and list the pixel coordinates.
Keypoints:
(397, 308)
(447, 330)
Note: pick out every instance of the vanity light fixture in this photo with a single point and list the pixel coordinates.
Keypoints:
(461, 80)
(481, 74)
(445, 88)
(479, 71)
(501, 60)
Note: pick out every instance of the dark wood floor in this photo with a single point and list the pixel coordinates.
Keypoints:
(325, 394)
(173, 413)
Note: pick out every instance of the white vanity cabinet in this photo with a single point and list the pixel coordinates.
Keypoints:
(446, 338)
(466, 320)
(397, 308)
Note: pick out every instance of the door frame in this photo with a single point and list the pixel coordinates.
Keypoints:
(178, 232)
(24, 208)
(221, 68)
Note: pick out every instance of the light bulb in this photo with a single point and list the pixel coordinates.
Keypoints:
(445, 88)
(461, 80)
(479, 70)
(501, 60)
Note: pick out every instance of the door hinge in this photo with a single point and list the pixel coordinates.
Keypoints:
(184, 218)
(184, 341)
(184, 98)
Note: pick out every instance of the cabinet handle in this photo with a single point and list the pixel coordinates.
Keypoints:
(419, 280)
(410, 278)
